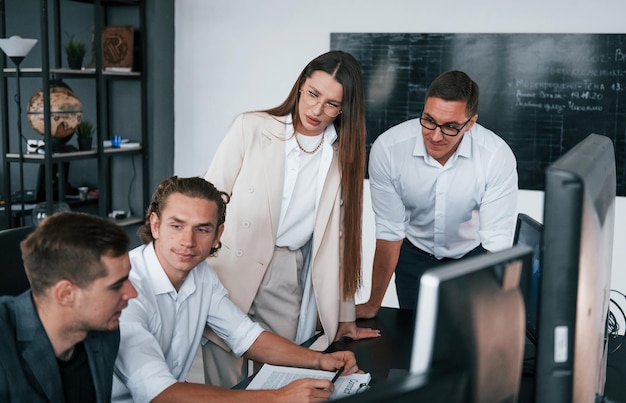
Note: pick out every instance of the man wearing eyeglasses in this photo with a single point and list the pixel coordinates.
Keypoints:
(446, 194)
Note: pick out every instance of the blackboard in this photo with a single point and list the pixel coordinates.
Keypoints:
(542, 93)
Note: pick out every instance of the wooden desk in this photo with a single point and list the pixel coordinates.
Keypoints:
(390, 354)
(615, 388)
(388, 358)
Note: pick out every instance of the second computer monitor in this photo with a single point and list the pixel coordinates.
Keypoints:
(528, 231)
(471, 317)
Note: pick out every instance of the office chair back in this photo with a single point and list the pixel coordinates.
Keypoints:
(13, 280)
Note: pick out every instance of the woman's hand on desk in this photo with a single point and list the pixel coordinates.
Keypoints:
(367, 310)
(350, 329)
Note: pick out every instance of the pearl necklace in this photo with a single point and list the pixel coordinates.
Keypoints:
(312, 151)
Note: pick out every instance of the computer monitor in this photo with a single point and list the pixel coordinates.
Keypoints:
(528, 231)
(470, 317)
(578, 225)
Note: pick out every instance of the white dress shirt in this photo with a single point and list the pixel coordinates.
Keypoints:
(304, 180)
(161, 328)
(444, 210)
(305, 175)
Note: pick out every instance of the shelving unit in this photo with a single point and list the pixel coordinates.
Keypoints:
(105, 99)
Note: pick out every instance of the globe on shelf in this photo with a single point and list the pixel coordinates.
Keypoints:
(40, 211)
(66, 111)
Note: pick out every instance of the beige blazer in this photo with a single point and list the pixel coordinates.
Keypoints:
(249, 165)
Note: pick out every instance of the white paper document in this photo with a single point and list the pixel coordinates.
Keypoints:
(274, 377)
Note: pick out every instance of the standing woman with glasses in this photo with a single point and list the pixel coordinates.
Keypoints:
(291, 248)
(443, 188)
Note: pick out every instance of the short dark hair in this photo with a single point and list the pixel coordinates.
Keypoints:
(190, 187)
(69, 246)
(455, 86)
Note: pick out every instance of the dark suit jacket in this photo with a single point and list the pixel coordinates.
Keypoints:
(28, 368)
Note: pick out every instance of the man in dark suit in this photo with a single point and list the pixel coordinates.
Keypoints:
(59, 339)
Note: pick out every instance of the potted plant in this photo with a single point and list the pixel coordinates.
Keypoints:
(75, 51)
(84, 131)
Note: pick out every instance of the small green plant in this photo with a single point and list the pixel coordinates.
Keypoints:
(75, 48)
(84, 129)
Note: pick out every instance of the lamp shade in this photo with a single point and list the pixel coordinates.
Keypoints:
(17, 47)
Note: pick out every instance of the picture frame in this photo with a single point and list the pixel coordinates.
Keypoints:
(117, 47)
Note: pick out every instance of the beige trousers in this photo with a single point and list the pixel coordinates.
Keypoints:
(276, 307)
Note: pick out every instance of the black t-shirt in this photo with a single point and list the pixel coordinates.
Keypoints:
(76, 377)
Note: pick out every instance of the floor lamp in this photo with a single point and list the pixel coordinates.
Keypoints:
(16, 48)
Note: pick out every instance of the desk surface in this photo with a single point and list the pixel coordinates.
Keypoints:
(388, 357)
(390, 354)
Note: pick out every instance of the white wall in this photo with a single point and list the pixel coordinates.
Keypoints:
(239, 55)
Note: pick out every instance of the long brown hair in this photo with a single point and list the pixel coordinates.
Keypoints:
(350, 127)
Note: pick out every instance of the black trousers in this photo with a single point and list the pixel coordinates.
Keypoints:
(412, 263)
